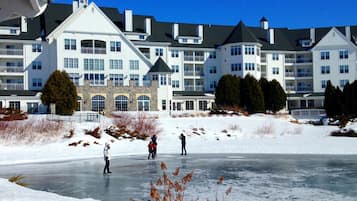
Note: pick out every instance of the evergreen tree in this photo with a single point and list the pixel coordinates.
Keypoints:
(265, 86)
(339, 103)
(277, 96)
(252, 95)
(60, 90)
(329, 104)
(227, 91)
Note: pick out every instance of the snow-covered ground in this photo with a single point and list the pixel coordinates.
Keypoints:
(215, 134)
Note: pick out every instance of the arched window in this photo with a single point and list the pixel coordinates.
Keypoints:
(143, 103)
(98, 103)
(121, 103)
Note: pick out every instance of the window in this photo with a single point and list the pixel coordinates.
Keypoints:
(141, 37)
(116, 64)
(94, 64)
(325, 55)
(15, 105)
(32, 108)
(163, 104)
(249, 66)
(13, 31)
(163, 80)
(275, 57)
(195, 41)
(175, 84)
(213, 84)
(98, 103)
(323, 84)
(74, 77)
(184, 40)
(344, 69)
(36, 48)
(343, 83)
(134, 64)
(159, 52)
(174, 53)
(36, 65)
(70, 63)
(325, 69)
(117, 79)
(343, 54)
(95, 79)
(189, 105)
(37, 82)
(143, 103)
(275, 71)
(236, 67)
(175, 68)
(236, 50)
(249, 50)
(212, 69)
(70, 44)
(212, 55)
(135, 77)
(121, 103)
(115, 46)
(155, 77)
(202, 105)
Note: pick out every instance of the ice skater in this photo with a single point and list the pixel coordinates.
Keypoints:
(183, 143)
(151, 148)
(106, 158)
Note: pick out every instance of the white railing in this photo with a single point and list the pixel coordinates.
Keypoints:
(289, 74)
(188, 72)
(308, 113)
(16, 52)
(290, 60)
(306, 60)
(11, 69)
(6, 86)
(91, 50)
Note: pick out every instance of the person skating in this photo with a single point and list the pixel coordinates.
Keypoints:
(151, 150)
(106, 158)
(183, 143)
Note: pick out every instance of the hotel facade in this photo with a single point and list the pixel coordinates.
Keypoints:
(125, 62)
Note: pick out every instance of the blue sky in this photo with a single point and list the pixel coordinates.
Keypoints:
(280, 13)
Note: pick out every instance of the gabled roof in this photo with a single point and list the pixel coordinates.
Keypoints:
(160, 67)
(241, 34)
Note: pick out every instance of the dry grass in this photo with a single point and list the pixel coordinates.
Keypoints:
(173, 189)
(18, 180)
(30, 131)
(266, 129)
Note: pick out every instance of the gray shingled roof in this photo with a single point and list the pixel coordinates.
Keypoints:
(18, 93)
(241, 34)
(160, 67)
(214, 35)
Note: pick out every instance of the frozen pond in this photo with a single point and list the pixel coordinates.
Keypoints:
(252, 177)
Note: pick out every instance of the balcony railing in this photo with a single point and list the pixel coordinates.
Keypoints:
(304, 89)
(188, 72)
(290, 88)
(193, 58)
(289, 74)
(304, 74)
(199, 73)
(303, 60)
(11, 69)
(263, 59)
(6, 86)
(290, 60)
(194, 88)
(15, 52)
(91, 50)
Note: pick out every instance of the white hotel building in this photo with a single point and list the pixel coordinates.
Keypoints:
(120, 61)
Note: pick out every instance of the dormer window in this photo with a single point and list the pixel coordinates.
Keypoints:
(305, 43)
(13, 31)
(141, 37)
(184, 40)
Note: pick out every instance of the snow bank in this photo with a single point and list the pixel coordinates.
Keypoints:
(14, 192)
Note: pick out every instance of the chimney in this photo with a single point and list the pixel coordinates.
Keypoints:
(175, 31)
(23, 24)
(77, 4)
(312, 35)
(264, 24)
(148, 25)
(271, 37)
(128, 20)
(348, 32)
(200, 31)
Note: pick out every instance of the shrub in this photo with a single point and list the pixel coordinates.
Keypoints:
(18, 180)
(344, 133)
(95, 133)
(265, 129)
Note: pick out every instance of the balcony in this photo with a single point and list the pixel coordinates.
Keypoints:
(199, 73)
(290, 88)
(90, 50)
(11, 52)
(11, 69)
(193, 58)
(303, 60)
(8, 86)
(263, 60)
(290, 60)
(188, 73)
(304, 74)
(194, 88)
(304, 89)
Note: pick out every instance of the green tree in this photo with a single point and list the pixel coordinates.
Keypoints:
(350, 99)
(228, 91)
(333, 100)
(60, 90)
(252, 95)
(265, 86)
(277, 100)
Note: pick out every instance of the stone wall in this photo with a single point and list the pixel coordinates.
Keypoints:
(110, 91)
